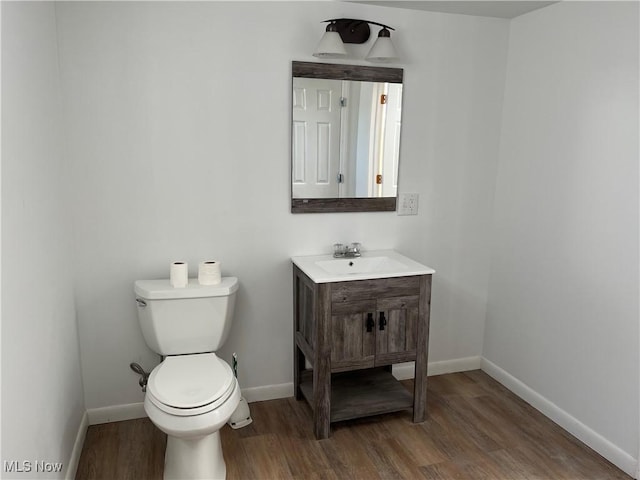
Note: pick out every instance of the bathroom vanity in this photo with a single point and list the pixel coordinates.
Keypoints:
(353, 319)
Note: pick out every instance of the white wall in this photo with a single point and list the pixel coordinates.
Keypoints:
(42, 394)
(563, 294)
(180, 123)
(178, 147)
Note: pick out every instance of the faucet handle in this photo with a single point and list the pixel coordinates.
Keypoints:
(355, 249)
(339, 250)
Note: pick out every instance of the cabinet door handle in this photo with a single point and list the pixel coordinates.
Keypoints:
(370, 322)
(383, 321)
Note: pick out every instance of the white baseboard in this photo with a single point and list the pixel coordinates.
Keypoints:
(405, 371)
(131, 411)
(116, 413)
(72, 464)
(402, 371)
(456, 365)
(593, 439)
(268, 392)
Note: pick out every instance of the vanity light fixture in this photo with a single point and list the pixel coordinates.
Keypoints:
(348, 30)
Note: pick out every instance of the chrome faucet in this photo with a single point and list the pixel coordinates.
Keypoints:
(349, 251)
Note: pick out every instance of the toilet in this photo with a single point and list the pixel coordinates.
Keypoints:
(192, 393)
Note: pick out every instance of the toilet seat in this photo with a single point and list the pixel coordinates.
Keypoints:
(190, 384)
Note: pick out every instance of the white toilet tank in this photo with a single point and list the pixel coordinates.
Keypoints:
(194, 319)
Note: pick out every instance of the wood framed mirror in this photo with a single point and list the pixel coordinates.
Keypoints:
(345, 137)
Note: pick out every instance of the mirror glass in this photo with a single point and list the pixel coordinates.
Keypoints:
(345, 137)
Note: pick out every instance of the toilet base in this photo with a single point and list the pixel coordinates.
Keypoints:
(194, 449)
(194, 458)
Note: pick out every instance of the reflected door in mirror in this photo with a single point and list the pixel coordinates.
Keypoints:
(345, 138)
(316, 137)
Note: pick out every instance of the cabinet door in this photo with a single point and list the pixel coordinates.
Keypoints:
(396, 329)
(353, 331)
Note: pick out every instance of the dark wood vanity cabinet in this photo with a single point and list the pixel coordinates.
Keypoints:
(373, 331)
(350, 333)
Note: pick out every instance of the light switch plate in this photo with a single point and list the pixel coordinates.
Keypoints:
(408, 204)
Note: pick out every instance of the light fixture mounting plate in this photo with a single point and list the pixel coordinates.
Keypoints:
(352, 31)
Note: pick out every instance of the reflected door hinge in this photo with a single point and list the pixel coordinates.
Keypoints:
(340, 178)
(343, 101)
(378, 179)
(383, 99)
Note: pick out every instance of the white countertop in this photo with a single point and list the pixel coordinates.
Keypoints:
(370, 265)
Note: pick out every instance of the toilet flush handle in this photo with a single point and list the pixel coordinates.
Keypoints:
(141, 303)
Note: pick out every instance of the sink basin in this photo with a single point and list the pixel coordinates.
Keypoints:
(371, 265)
(348, 266)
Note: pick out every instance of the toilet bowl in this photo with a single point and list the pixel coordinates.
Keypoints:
(190, 397)
(192, 393)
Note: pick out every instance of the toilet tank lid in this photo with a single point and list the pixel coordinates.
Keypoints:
(162, 289)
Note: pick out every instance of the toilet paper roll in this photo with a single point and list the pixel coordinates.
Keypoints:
(209, 273)
(179, 276)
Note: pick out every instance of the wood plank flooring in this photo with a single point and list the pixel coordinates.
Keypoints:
(475, 429)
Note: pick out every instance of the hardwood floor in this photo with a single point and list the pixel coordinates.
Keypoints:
(475, 429)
